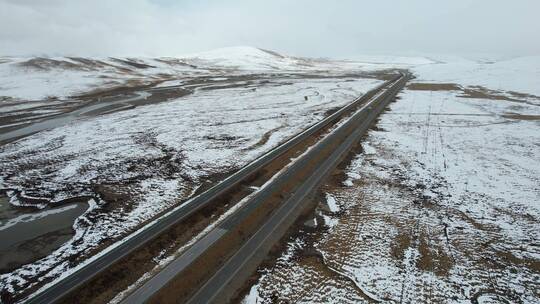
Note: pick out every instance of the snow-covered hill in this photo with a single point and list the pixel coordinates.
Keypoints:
(38, 78)
(248, 58)
(61, 77)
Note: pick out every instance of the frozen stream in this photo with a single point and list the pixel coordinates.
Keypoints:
(27, 236)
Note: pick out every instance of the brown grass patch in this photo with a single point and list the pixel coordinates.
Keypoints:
(433, 258)
(522, 117)
(523, 95)
(480, 92)
(433, 87)
(402, 241)
(532, 264)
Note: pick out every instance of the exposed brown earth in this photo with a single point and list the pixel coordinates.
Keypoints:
(484, 93)
(523, 95)
(522, 117)
(46, 63)
(478, 92)
(418, 86)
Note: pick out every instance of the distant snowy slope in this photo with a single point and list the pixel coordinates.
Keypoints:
(244, 57)
(37, 78)
(24, 79)
(521, 74)
(251, 58)
(393, 60)
(60, 77)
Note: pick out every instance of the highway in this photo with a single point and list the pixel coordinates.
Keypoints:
(346, 135)
(212, 290)
(101, 262)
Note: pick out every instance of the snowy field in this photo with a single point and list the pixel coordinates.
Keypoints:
(521, 74)
(442, 205)
(444, 195)
(135, 164)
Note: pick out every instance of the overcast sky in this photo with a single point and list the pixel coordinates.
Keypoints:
(341, 28)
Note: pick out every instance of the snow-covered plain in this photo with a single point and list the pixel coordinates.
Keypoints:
(142, 162)
(520, 74)
(135, 164)
(442, 205)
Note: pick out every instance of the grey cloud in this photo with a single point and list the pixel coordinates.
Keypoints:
(312, 28)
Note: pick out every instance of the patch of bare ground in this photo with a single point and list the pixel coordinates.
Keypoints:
(7, 99)
(530, 263)
(521, 116)
(41, 63)
(272, 53)
(479, 92)
(522, 95)
(132, 63)
(433, 258)
(385, 74)
(485, 93)
(175, 62)
(117, 89)
(402, 241)
(423, 86)
(90, 63)
(331, 111)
